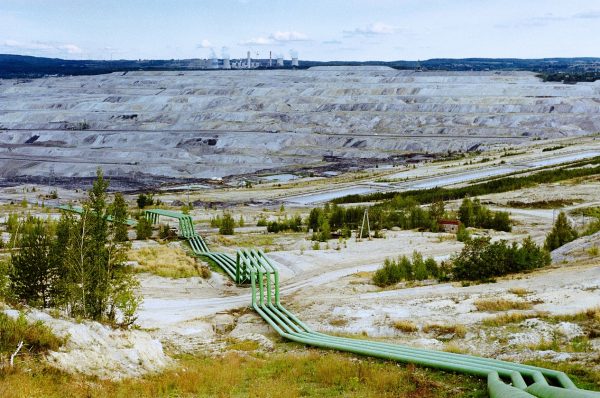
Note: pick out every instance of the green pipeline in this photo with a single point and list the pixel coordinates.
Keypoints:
(504, 379)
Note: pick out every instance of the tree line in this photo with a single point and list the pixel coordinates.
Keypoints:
(499, 185)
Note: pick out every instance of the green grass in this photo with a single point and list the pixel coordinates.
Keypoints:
(167, 262)
(584, 377)
(312, 373)
(501, 305)
(37, 338)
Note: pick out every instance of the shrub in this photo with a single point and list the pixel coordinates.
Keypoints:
(227, 224)
(482, 260)
(440, 330)
(405, 326)
(262, 221)
(36, 337)
(462, 235)
(502, 305)
(143, 229)
(473, 214)
(33, 267)
(293, 224)
(561, 233)
(394, 271)
(144, 200)
(166, 233)
(4, 279)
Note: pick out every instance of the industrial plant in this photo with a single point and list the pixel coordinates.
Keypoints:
(225, 62)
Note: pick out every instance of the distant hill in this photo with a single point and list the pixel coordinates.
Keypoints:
(575, 69)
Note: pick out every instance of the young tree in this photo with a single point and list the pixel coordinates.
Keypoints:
(227, 225)
(406, 269)
(119, 213)
(143, 229)
(32, 273)
(561, 233)
(437, 210)
(420, 270)
(466, 214)
(462, 235)
(144, 200)
(325, 233)
(432, 267)
(98, 283)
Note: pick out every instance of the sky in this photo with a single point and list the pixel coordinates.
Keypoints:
(320, 30)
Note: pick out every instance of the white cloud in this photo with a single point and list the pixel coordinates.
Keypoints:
(257, 41)
(289, 36)
(588, 15)
(205, 43)
(71, 48)
(377, 28)
(45, 47)
(276, 38)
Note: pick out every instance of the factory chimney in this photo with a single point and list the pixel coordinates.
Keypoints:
(249, 64)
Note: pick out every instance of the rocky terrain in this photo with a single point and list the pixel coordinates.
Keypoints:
(146, 127)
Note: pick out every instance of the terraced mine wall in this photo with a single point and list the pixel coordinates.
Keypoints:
(186, 125)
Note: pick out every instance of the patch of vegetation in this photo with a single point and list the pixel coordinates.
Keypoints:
(553, 148)
(286, 224)
(144, 200)
(227, 224)
(242, 345)
(313, 374)
(540, 204)
(405, 269)
(405, 326)
(463, 235)
(483, 260)
(439, 330)
(78, 263)
(501, 305)
(338, 322)
(583, 376)
(561, 233)
(143, 229)
(164, 261)
(37, 338)
(505, 319)
(570, 77)
(455, 348)
(473, 214)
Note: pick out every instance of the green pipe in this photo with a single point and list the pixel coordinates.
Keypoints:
(498, 389)
(545, 391)
(255, 266)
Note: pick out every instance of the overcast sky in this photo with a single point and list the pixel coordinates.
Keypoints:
(316, 29)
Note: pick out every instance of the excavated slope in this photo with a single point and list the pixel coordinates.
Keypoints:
(204, 124)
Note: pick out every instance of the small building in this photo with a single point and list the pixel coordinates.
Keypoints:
(450, 226)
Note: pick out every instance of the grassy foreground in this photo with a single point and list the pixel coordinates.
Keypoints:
(311, 373)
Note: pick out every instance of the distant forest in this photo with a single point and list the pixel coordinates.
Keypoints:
(567, 70)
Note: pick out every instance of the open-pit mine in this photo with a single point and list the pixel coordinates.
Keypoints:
(145, 128)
